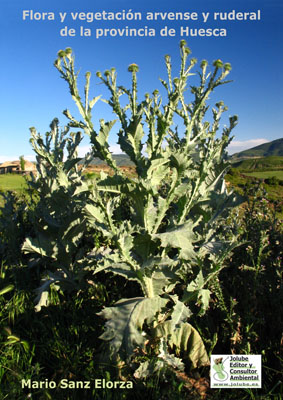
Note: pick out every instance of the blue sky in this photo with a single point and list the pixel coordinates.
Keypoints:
(33, 93)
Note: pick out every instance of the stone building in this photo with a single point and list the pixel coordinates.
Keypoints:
(9, 167)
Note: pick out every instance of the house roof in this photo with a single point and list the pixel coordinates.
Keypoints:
(16, 164)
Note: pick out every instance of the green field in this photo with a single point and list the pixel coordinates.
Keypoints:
(266, 174)
(12, 182)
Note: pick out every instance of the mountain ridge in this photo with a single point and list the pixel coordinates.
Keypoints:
(273, 148)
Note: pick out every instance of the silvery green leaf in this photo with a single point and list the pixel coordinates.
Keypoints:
(75, 229)
(169, 359)
(156, 284)
(148, 368)
(116, 184)
(93, 101)
(180, 313)
(150, 214)
(186, 339)
(204, 296)
(105, 128)
(122, 269)
(94, 214)
(69, 164)
(30, 246)
(126, 244)
(82, 188)
(40, 245)
(42, 300)
(195, 290)
(157, 171)
(110, 261)
(125, 321)
(197, 284)
(180, 161)
(181, 237)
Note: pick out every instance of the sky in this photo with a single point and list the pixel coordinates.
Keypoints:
(33, 92)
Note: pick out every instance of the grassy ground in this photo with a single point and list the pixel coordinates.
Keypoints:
(266, 174)
(259, 164)
(274, 192)
(12, 182)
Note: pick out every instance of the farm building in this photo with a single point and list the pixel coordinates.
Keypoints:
(14, 167)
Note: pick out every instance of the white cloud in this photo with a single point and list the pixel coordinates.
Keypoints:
(114, 148)
(82, 150)
(239, 145)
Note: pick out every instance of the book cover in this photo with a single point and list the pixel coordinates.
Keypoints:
(141, 199)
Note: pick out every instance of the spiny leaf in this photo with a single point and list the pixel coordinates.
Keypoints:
(169, 359)
(94, 213)
(180, 312)
(148, 368)
(186, 339)
(40, 245)
(181, 237)
(150, 214)
(157, 171)
(125, 321)
(195, 290)
(93, 101)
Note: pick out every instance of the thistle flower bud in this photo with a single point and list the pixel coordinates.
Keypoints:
(133, 68)
(87, 75)
(68, 53)
(57, 62)
(220, 104)
(147, 95)
(61, 53)
(187, 50)
(113, 69)
(107, 72)
(227, 67)
(176, 81)
(67, 114)
(233, 120)
(167, 58)
(98, 74)
(183, 43)
(218, 64)
(203, 64)
(155, 92)
(194, 61)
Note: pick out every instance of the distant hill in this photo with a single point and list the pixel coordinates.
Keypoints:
(274, 148)
(272, 163)
(122, 160)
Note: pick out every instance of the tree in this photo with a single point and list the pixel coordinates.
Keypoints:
(22, 163)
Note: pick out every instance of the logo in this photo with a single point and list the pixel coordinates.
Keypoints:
(220, 375)
(235, 371)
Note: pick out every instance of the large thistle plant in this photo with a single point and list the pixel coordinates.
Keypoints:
(170, 239)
